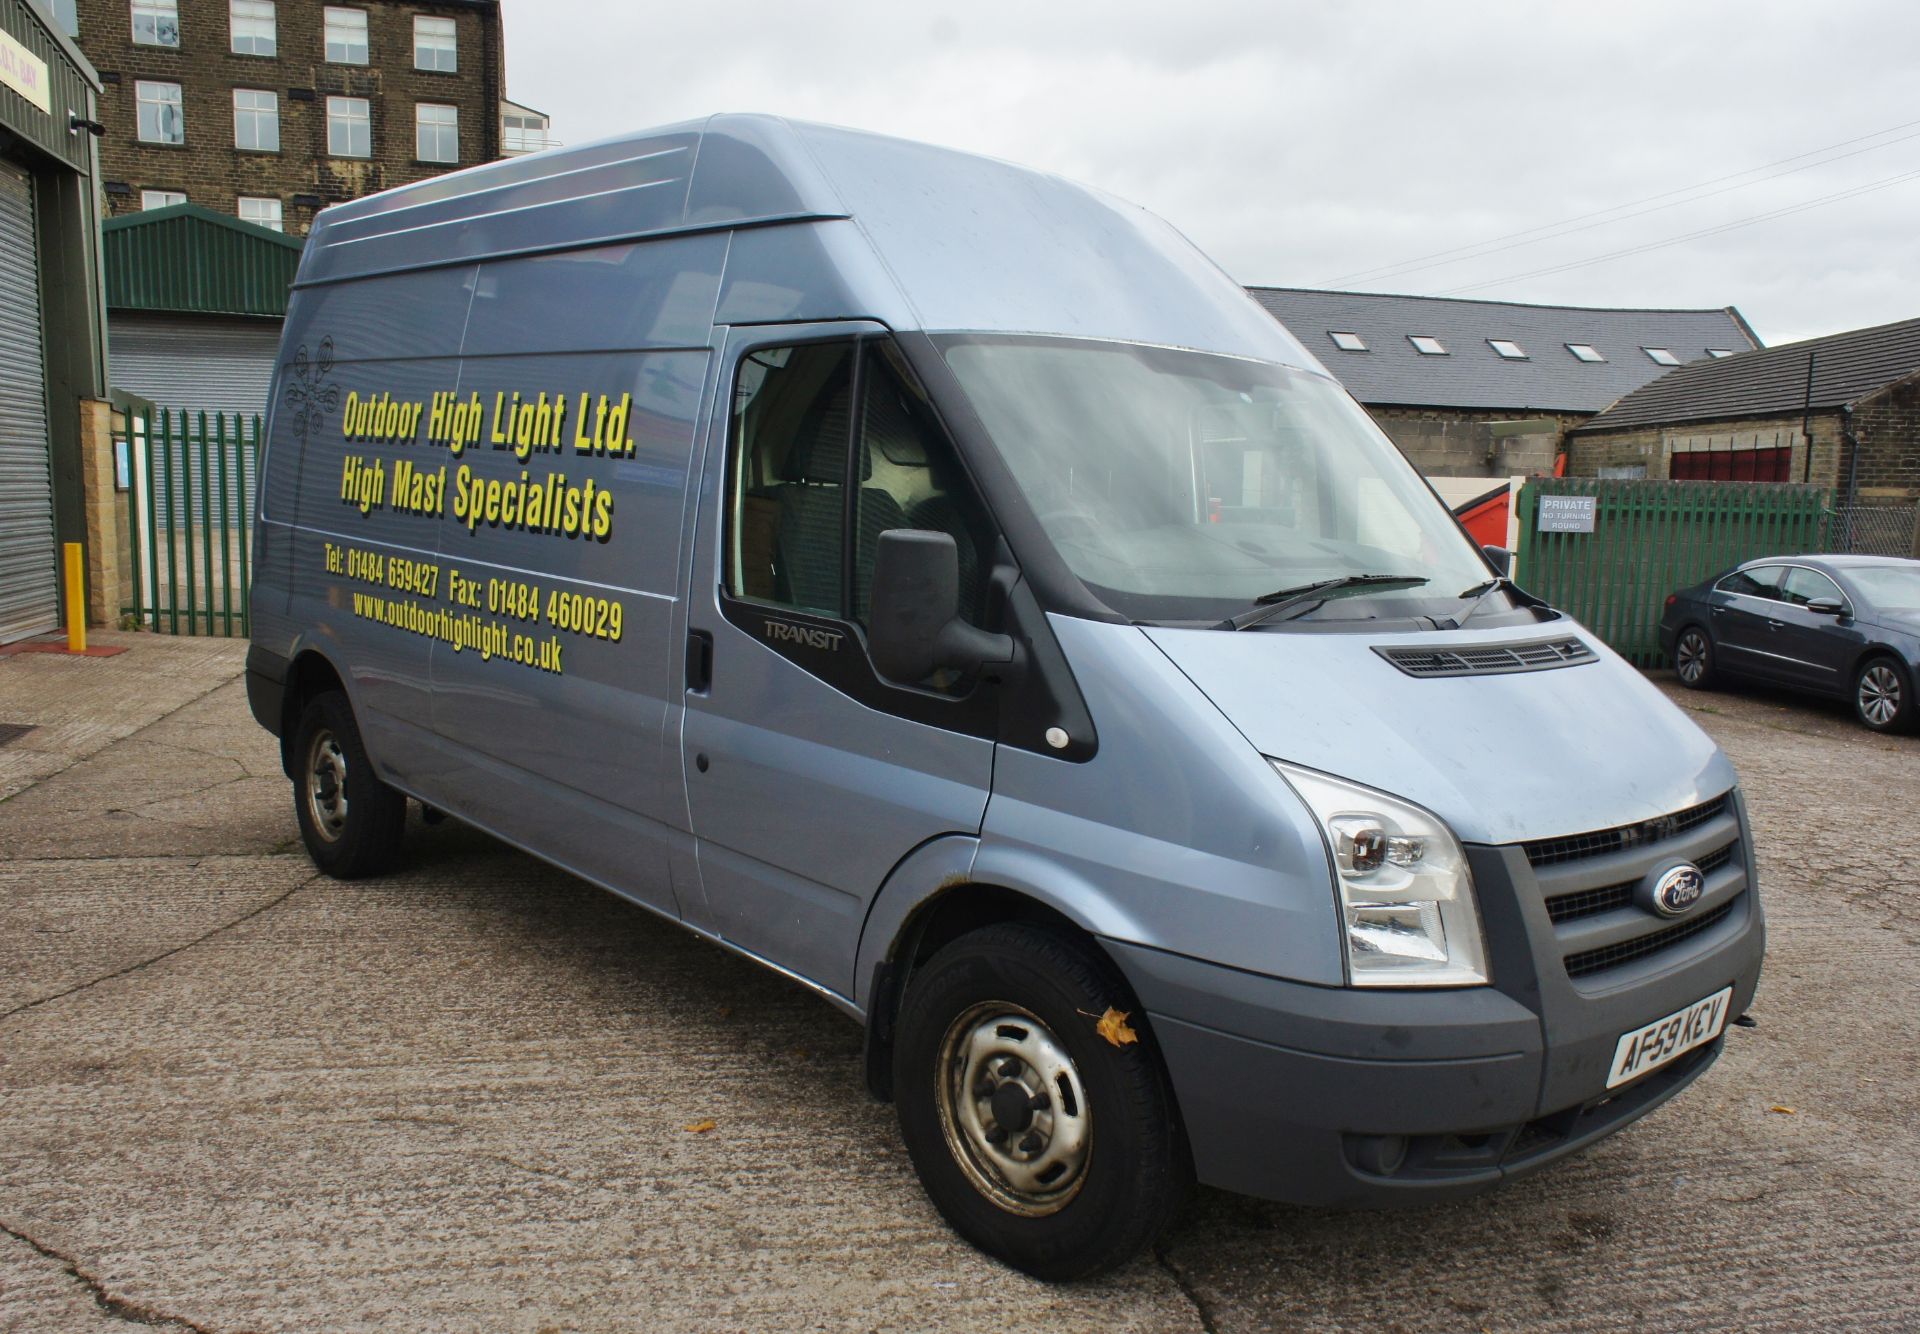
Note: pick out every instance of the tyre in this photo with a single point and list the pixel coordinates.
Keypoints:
(350, 821)
(1883, 695)
(1693, 658)
(1039, 1140)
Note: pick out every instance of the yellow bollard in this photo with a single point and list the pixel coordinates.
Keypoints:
(76, 599)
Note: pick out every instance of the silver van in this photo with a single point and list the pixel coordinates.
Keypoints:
(941, 583)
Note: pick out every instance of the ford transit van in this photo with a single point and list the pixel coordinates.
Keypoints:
(940, 583)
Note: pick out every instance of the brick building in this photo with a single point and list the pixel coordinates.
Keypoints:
(269, 110)
(1491, 388)
(1841, 411)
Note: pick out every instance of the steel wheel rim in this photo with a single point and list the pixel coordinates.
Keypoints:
(1879, 695)
(1691, 656)
(996, 1055)
(326, 786)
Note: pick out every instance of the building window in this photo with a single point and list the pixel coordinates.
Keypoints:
(437, 132)
(1733, 465)
(156, 22)
(261, 212)
(1507, 348)
(349, 127)
(346, 36)
(256, 120)
(1718, 352)
(152, 199)
(253, 28)
(1660, 356)
(159, 113)
(1584, 352)
(1348, 342)
(1425, 346)
(523, 132)
(434, 45)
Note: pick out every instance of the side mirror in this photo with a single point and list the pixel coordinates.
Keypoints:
(916, 628)
(1826, 606)
(1500, 558)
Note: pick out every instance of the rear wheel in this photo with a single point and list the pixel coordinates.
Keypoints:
(1693, 658)
(1041, 1141)
(350, 821)
(1882, 696)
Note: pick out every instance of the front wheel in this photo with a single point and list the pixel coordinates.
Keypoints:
(350, 821)
(1882, 696)
(1041, 1141)
(1693, 658)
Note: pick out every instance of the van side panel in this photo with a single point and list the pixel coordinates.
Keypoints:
(397, 335)
(589, 367)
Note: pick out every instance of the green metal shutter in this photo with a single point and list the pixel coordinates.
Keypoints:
(29, 568)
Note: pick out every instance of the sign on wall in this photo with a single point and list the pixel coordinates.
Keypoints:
(1566, 514)
(24, 72)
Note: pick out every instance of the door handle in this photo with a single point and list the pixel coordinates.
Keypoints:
(699, 661)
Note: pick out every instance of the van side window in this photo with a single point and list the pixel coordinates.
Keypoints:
(792, 426)
(910, 478)
(791, 446)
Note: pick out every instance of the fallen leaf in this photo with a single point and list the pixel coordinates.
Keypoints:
(700, 1127)
(1784, 1111)
(1113, 1027)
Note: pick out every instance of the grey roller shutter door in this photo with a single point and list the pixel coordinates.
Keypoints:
(196, 365)
(29, 569)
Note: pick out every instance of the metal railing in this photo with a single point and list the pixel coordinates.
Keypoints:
(191, 480)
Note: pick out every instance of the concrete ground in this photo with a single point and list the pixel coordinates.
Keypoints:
(236, 1096)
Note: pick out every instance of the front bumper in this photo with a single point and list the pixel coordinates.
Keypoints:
(1356, 1098)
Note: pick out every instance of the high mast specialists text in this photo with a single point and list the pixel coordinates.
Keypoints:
(527, 426)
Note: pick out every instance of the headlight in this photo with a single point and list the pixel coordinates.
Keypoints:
(1406, 896)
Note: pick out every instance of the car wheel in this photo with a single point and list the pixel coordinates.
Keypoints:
(1882, 695)
(350, 821)
(1693, 658)
(1042, 1141)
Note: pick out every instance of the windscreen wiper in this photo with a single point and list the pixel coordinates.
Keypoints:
(1269, 605)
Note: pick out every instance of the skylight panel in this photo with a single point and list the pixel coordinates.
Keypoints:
(1425, 346)
(1718, 352)
(1585, 352)
(1507, 348)
(1348, 342)
(1661, 356)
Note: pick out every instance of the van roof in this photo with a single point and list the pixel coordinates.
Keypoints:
(928, 237)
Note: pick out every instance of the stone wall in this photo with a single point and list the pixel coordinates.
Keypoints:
(1589, 453)
(1450, 442)
(1887, 426)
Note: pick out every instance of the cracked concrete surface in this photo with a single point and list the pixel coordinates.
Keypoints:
(236, 1096)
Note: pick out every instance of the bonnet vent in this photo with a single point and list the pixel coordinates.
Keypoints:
(1536, 655)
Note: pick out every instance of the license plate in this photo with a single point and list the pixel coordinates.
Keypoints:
(1661, 1041)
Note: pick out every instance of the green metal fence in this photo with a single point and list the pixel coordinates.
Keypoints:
(190, 483)
(1651, 538)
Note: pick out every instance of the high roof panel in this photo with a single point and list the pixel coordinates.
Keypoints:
(1472, 374)
(1773, 381)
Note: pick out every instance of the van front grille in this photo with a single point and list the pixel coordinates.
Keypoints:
(1587, 902)
(1574, 847)
(1626, 951)
(1536, 655)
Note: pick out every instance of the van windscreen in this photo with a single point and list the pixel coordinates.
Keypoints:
(1182, 486)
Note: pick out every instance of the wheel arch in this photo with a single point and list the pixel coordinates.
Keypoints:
(946, 888)
(310, 673)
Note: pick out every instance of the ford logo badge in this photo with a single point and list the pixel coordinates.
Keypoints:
(1678, 889)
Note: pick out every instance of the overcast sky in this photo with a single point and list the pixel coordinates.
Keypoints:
(1303, 145)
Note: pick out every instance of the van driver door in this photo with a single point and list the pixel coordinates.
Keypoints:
(808, 776)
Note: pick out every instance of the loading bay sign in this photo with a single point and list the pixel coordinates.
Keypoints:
(1565, 514)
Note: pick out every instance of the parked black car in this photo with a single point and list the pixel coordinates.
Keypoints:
(1844, 626)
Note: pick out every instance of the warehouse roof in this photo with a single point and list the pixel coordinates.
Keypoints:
(1773, 381)
(1496, 354)
(188, 258)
